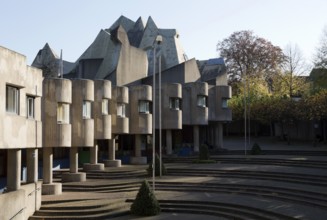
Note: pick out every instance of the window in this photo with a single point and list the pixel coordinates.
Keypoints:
(202, 100)
(121, 110)
(105, 106)
(86, 109)
(12, 99)
(144, 106)
(63, 113)
(30, 106)
(175, 103)
(224, 103)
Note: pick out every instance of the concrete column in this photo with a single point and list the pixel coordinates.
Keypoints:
(94, 154)
(219, 135)
(93, 165)
(32, 165)
(138, 143)
(196, 137)
(73, 157)
(112, 162)
(138, 159)
(47, 165)
(14, 169)
(48, 187)
(169, 142)
(112, 149)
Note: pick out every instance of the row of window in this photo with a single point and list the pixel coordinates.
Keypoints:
(12, 106)
(12, 102)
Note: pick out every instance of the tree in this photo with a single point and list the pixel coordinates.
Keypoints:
(246, 54)
(320, 59)
(290, 80)
(145, 203)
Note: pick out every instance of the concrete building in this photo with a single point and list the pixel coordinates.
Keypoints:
(104, 101)
(57, 128)
(20, 134)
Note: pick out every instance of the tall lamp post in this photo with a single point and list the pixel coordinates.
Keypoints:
(158, 40)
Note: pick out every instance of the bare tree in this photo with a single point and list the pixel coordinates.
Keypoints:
(320, 59)
(291, 81)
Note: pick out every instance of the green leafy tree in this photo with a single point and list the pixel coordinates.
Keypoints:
(145, 203)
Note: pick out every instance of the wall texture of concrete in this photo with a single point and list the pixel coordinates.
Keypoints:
(140, 122)
(102, 121)
(56, 91)
(17, 130)
(82, 127)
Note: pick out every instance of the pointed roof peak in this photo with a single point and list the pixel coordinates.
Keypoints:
(125, 22)
(151, 23)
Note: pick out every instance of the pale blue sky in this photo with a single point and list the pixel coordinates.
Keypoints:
(72, 25)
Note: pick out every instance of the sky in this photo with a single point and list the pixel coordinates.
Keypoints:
(72, 25)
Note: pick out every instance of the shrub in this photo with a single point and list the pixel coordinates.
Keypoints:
(256, 149)
(157, 167)
(145, 203)
(204, 152)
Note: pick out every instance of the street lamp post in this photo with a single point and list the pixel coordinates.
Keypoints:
(158, 40)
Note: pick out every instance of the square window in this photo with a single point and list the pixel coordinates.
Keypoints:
(202, 101)
(144, 106)
(175, 103)
(30, 106)
(63, 113)
(121, 110)
(87, 109)
(224, 103)
(12, 99)
(105, 106)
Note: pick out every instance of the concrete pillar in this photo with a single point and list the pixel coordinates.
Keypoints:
(196, 138)
(138, 143)
(138, 159)
(169, 142)
(94, 154)
(48, 187)
(93, 165)
(73, 158)
(219, 135)
(112, 149)
(14, 169)
(47, 165)
(112, 162)
(32, 165)
(73, 175)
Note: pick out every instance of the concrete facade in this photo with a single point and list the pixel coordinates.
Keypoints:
(106, 96)
(20, 129)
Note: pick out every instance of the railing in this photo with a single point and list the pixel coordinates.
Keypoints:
(37, 189)
(19, 212)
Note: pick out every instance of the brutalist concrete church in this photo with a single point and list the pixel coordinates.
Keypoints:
(101, 111)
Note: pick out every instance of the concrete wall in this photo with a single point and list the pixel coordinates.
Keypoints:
(193, 114)
(216, 96)
(16, 130)
(140, 123)
(172, 119)
(56, 91)
(182, 73)
(21, 203)
(102, 122)
(120, 125)
(82, 128)
(132, 63)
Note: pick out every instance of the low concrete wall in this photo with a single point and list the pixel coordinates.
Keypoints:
(22, 203)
